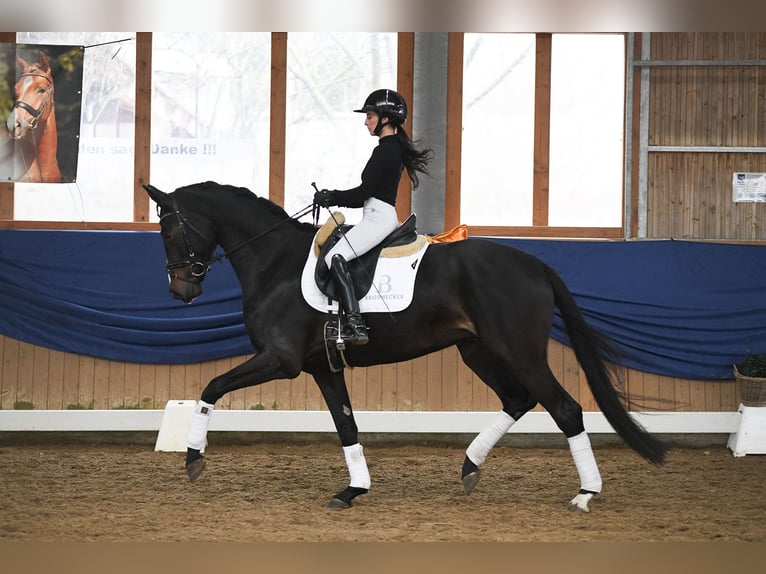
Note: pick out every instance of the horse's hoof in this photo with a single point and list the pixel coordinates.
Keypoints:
(342, 499)
(195, 468)
(337, 504)
(580, 502)
(471, 480)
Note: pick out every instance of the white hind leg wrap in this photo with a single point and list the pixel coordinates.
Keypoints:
(479, 448)
(585, 462)
(196, 436)
(357, 466)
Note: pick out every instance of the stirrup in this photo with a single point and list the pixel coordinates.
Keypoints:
(355, 331)
(353, 336)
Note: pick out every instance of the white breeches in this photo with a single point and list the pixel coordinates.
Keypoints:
(378, 220)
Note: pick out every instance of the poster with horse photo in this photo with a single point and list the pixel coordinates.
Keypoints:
(40, 104)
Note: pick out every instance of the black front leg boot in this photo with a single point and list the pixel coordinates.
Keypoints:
(354, 330)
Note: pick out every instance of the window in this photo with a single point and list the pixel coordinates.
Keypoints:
(210, 109)
(498, 129)
(210, 120)
(328, 76)
(587, 125)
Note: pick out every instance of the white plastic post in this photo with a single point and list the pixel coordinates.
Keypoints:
(174, 426)
(751, 436)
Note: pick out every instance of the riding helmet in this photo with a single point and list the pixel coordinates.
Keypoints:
(386, 103)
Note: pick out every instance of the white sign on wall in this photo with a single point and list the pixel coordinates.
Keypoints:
(749, 186)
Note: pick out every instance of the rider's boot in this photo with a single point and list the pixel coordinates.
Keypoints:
(354, 330)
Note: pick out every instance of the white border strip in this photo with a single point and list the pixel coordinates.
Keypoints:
(368, 421)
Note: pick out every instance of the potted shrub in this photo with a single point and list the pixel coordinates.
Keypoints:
(750, 374)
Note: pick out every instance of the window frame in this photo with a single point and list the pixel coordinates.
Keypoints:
(541, 162)
(405, 66)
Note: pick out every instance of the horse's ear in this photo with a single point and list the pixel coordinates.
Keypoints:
(160, 197)
(22, 63)
(44, 61)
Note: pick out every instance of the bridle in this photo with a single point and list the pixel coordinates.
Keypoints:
(197, 267)
(35, 113)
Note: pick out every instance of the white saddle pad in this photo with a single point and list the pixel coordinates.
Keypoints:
(391, 290)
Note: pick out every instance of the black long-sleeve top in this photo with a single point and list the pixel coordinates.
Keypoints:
(380, 177)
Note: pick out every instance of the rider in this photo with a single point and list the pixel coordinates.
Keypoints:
(386, 111)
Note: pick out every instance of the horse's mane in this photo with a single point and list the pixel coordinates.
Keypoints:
(247, 195)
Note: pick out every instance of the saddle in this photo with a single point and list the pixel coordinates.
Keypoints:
(362, 268)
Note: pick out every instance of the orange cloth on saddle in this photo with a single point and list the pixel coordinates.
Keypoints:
(455, 234)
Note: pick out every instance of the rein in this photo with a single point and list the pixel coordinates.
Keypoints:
(296, 215)
(199, 268)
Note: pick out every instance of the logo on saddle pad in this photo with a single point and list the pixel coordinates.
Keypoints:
(393, 281)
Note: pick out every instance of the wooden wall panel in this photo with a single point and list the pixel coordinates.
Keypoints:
(8, 371)
(36, 377)
(24, 382)
(86, 383)
(433, 380)
(389, 388)
(419, 373)
(690, 197)
(101, 384)
(147, 389)
(56, 360)
(404, 386)
(71, 382)
(711, 105)
(690, 193)
(465, 384)
(374, 389)
(116, 385)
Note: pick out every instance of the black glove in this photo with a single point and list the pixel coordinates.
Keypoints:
(326, 198)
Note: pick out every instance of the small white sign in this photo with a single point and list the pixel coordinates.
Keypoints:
(749, 186)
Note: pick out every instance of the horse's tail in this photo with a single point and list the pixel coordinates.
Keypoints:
(595, 353)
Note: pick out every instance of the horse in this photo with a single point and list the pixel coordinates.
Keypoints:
(31, 125)
(494, 302)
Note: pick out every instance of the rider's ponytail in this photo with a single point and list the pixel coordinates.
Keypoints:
(415, 160)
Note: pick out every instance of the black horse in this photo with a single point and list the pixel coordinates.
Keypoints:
(494, 302)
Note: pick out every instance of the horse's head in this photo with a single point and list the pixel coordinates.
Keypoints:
(189, 241)
(33, 97)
